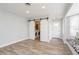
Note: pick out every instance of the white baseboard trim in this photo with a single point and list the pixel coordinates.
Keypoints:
(45, 40)
(12, 42)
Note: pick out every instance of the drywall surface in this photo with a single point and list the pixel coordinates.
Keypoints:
(12, 28)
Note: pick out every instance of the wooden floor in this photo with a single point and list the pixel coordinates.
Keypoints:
(32, 47)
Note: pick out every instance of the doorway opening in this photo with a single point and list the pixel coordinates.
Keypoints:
(37, 30)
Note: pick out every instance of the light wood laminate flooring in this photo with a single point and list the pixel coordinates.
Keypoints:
(34, 47)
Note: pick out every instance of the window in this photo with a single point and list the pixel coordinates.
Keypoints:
(74, 25)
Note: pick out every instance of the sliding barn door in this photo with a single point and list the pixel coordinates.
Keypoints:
(32, 30)
(44, 30)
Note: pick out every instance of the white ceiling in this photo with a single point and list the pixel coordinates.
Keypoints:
(53, 10)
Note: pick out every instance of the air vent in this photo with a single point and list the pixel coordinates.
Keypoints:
(28, 4)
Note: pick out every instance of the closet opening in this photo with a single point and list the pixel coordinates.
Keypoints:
(37, 30)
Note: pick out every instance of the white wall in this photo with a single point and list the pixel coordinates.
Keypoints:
(50, 28)
(12, 28)
(31, 30)
(65, 30)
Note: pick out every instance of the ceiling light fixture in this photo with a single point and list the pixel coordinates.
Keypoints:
(43, 7)
(27, 11)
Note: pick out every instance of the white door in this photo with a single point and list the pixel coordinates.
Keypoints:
(44, 30)
(32, 30)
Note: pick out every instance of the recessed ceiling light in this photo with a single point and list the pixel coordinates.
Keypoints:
(27, 11)
(43, 7)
